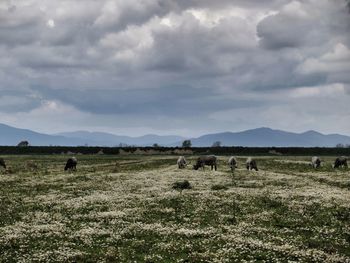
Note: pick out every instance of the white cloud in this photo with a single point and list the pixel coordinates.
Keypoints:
(50, 23)
(334, 62)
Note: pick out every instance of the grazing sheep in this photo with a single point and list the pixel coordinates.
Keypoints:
(71, 164)
(315, 162)
(232, 162)
(2, 163)
(181, 162)
(341, 161)
(251, 164)
(206, 160)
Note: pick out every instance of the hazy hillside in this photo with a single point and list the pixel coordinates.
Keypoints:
(261, 137)
(12, 136)
(110, 139)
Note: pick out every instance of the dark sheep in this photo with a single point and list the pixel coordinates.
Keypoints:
(2, 163)
(341, 162)
(71, 164)
(251, 164)
(206, 160)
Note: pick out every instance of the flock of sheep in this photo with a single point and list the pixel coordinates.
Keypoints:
(211, 160)
(341, 161)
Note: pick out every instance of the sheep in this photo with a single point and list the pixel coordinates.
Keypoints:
(315, 162)
(71, 164)
(232, 162)
(341, 161)
(2, 163)
(206, 160)
(181, 162)
(251, 164)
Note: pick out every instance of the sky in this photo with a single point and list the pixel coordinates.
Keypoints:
(183, 67)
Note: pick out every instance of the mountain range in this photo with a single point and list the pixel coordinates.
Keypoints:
(12, 136)
(260, 137)
(265, 137)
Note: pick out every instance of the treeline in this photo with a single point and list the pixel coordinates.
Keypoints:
(237, 150)
(69, 150)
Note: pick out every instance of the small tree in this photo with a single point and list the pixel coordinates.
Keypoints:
(155, 145)
(23, 144)
(216, 144)
(340, 145)
(186, 143)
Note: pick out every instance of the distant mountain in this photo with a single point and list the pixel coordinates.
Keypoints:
(102, 138)
(264, 137)
(261, 137)
(12, 136)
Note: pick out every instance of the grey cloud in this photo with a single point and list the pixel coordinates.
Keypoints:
(304, 24)
(184, 4)
(116, 15)
(18, 101)
(142, 60)
(192, 48)
(163, 101)
(275, 33)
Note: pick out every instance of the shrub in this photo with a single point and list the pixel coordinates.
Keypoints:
(181, 185)
(217, 187)
(31, 165)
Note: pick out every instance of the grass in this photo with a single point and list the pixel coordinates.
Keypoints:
(124, 209)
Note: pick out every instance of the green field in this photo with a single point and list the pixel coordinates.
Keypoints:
(123, 209)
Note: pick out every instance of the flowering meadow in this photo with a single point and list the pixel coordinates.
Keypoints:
(124, 209)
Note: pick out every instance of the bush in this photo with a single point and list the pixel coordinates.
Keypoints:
(31, 166)
(217, 187)
(181, 185)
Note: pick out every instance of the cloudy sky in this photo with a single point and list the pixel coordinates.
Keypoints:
(183, 67)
